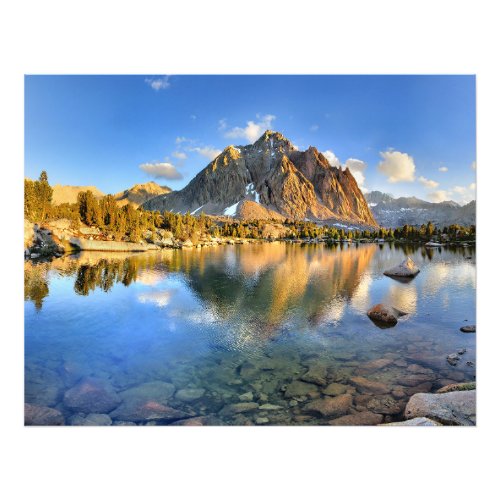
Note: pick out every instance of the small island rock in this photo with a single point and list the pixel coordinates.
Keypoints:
(407, 269)
(384, 314)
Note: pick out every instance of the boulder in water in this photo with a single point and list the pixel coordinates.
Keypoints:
(384, 316)
(407, 269)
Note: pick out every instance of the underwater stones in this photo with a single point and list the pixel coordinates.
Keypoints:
(329, 407)
(236, 408)
(270, 407)
(335, 389)
(362, 418)
(298, 388)
(93, 419)
(205, 420)
(468, 329)
(407, 269)
(365, 385)
(157, 390)
(315, 375)
(373, 365)
(385, 316)
(414, 368)
(247, 396)
(248, 371)
(92, 395)
(416, 422)
(42, 415)
(424, 387)
(451, 408)
(384, 405)
(137, 410)
(453, 359)
(399, 392)
(414, 379)
(261, 420)
(189, 395)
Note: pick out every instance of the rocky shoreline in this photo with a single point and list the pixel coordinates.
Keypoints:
(56, 238)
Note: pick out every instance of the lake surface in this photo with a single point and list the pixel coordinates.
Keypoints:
(245, 334)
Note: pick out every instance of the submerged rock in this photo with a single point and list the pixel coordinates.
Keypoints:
(330, 407)
(157, 390)
(362, 418)
(407, 269)
(298, 389)
(42, 415)
(451, 408)
(384, 405)
(188, 395)
(384, 315)
(92, 395)
(315, 375)
(468, 329)
(238, 408)
(93, 419)
(370, 386)
(373, 365)
(335, 389)
(206, 420)
(453, 359)
(147, 411)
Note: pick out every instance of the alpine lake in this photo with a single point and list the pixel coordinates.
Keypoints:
(270, 333)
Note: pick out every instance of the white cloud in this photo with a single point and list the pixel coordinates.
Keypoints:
(357, 167)
(314, 128)
(222, 124)
(253, 130)
(163, 170)
(207, 151)
(438, 196)
(473, 165)
(179, 155)
(397, 166)
(332, 159)
(428, 183)
(459, 189)
(158, 83)
(472, 186)
(180, 140)
(443, 169)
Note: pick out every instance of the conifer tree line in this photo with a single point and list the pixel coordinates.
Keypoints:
(129, 223)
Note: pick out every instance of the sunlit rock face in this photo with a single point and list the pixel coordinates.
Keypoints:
(271, 173)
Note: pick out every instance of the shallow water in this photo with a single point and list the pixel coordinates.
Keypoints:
(245, 319)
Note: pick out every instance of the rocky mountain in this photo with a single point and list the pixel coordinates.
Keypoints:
(275, 175)
(69, 194)
(140, 193)
(395, 212)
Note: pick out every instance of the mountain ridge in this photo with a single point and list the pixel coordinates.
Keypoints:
(396, 212)
(271, 172)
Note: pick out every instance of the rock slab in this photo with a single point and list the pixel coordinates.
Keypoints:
(42, 415)
(451, 408)
(407, 269)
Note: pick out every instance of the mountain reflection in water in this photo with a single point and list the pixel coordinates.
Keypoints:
(209, 318)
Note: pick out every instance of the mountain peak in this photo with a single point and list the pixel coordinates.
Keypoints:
(275, 139)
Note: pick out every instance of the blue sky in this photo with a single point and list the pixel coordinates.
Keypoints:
(406, 135)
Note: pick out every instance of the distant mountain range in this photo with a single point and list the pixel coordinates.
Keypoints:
(395, 212)
(136, 195)
(270, 177)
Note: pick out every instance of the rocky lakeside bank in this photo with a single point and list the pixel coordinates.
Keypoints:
(55, 238)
